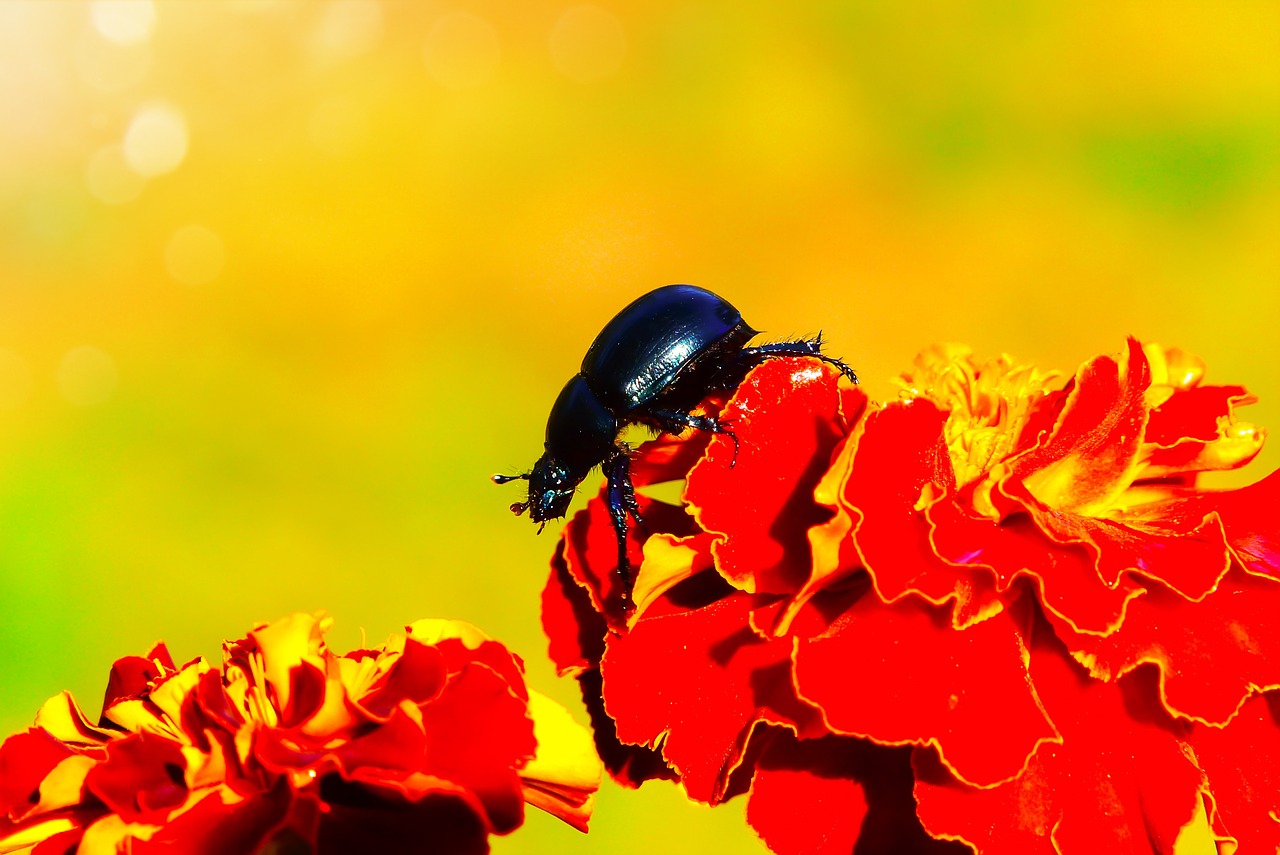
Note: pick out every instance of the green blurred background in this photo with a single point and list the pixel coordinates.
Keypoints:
(283, 283)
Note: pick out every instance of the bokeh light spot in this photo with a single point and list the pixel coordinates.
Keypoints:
(109, 177)
(124, 22)
(587, 44)
(87, 376)
(338, 125)
(15, 380)
(348, 28)
(156, 141)
(462, 50)
(194, 255)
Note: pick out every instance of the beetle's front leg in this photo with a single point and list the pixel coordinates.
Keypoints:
(621, 499)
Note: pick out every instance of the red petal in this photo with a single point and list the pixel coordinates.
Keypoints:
(442, 822)
(25, 760)
(396, 748)
(1090, 458)
(478, 736)
(761, 502)
(902, 453)
(835, 793)
(668, 457)
(417, 675)
(63, 843)
(1185, 551)
(1068, 584)
(212, 827)
(131, 675)
(591, 549)
(1211, 654)
(574, 628)
(1240, 762)
(629, 765)
(809, 797)
(1249, 519)
(143, 772)
(577, 640)
(701, 676)
(1191, 416)
(901, 674)
(492, 654)
(1120, 781)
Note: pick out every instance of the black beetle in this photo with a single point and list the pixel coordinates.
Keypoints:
(652, 364)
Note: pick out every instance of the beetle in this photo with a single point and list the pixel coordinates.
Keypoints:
(652, 365)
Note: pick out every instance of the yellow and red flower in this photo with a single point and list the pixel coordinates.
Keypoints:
(432, 735)
(998, 612)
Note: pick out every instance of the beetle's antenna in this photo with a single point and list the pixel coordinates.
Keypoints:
(507, 479)
(518, 508)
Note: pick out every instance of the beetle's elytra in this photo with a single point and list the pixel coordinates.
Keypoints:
(652, 364)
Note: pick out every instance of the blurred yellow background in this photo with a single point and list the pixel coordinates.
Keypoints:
(283, 283)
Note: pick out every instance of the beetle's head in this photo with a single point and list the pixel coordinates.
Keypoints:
(551, 488)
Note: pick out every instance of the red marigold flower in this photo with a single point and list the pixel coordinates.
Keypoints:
(431, 735)
(998, 614)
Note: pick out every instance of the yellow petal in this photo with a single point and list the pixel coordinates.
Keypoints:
(62, 787)
(111, 835)
(285, 645)
(170, 695)
(25, 838)
(62, 717)
(435, 630)
(565, 772)
(668, 560)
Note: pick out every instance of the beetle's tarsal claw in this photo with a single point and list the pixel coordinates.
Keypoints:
(519, 508)
(736, 447)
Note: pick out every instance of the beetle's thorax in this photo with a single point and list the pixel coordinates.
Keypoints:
(581, 431)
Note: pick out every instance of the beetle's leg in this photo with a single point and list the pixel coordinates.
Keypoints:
(710, 424)
(749, 357)
(621, 500)
(628, 487)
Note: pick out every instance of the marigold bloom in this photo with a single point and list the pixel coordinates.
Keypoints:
(431, 736)
(997, 614)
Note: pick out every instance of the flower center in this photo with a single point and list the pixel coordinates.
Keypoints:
(989, 404)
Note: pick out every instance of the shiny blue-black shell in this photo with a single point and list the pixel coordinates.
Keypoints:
(657, 349)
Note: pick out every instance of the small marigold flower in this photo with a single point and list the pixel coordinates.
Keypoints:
(998, 614)
(289, 745)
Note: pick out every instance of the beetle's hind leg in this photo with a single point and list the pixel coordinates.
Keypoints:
(621, 499)
(750, 357)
